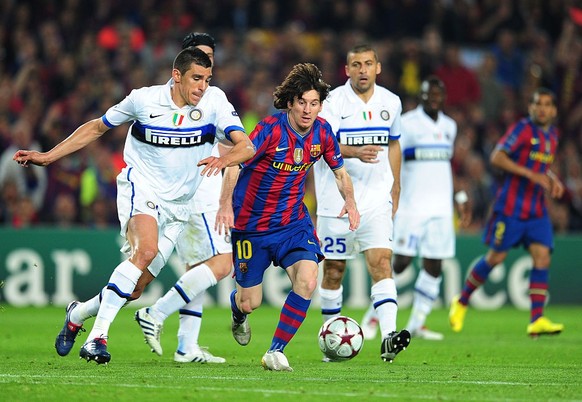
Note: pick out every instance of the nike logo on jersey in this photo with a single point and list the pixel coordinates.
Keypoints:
(281, 149)
(153, 116)
(535, 141)
(345, 117)
(310, 242)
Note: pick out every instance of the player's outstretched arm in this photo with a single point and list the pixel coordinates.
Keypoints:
(82, 136)
(242, 151)
(346, 189)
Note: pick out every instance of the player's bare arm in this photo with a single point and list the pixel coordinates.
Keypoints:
(82, 136)
(346, 189)
(366, 153)
(501, 160)
(225, 215)
(242, 151)
(395, 160)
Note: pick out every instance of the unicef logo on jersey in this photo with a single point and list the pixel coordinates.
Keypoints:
(385, 115)
(195, 114)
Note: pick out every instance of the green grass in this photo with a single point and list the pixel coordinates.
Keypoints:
(491, 360)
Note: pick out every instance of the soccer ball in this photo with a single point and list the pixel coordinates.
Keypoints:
(340, 338)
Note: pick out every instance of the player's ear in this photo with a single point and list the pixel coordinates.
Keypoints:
(176, 75)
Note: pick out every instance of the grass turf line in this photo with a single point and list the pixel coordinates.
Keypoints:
(491, 360)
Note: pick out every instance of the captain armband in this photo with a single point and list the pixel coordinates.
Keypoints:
(461, 197)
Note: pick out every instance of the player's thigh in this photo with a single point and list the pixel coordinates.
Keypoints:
(337, 240)
(251, 257)
(375, 230)
(438, 241)
(199, 242)
(408, 232)
(135, 198)
(503, 232)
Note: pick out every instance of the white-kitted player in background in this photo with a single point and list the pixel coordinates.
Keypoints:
(424, 223)
(366, 120)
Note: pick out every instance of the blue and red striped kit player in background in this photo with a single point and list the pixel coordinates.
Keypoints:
(519, 217)
(271, 221)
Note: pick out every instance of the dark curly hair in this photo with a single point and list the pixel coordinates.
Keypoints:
(302, 78)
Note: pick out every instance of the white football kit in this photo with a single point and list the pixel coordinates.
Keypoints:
(199, 241)
(424, 221)
(357, 123)
(162, 149)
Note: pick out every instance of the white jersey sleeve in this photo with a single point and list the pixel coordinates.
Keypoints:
(426, 175)
(357, 123)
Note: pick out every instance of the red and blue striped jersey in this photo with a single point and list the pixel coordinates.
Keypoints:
(271, 185)
(527, 145)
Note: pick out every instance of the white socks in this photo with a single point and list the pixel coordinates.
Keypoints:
(189, 286)
(426, 290)
(86, 309)
(190, 323)
(384, 296)
(331, 302)
(121, 285)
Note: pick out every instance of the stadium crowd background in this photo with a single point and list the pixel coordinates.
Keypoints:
(63, 62)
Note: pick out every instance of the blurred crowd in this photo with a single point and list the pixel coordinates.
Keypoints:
(63, 62)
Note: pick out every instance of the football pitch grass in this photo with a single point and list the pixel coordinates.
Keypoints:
(491, 360)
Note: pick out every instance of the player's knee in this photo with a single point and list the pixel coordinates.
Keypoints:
(333, 272)
(144, 255)
(400, 264)
(309, 287)
(221, 271)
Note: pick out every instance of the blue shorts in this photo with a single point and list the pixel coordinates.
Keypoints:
(253, 252)
(504, 232)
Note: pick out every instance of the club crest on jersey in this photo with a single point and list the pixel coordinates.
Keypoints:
(298, 155)
(195, 114)
(178, 119)
(243, 267)
(315, 150)
(385, 115)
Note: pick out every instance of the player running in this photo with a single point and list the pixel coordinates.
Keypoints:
(167, 150)
(271, 221)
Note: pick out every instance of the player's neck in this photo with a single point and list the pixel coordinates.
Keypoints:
(366, 95)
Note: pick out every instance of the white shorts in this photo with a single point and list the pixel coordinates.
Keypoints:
(429, 237)
(135, 196)
(199, 241)
(338, 242)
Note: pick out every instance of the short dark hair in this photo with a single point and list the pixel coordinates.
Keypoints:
(543, 91)
(194, 39)
(186, 57)
(361, 48)
(302, 78)
(431, 81)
